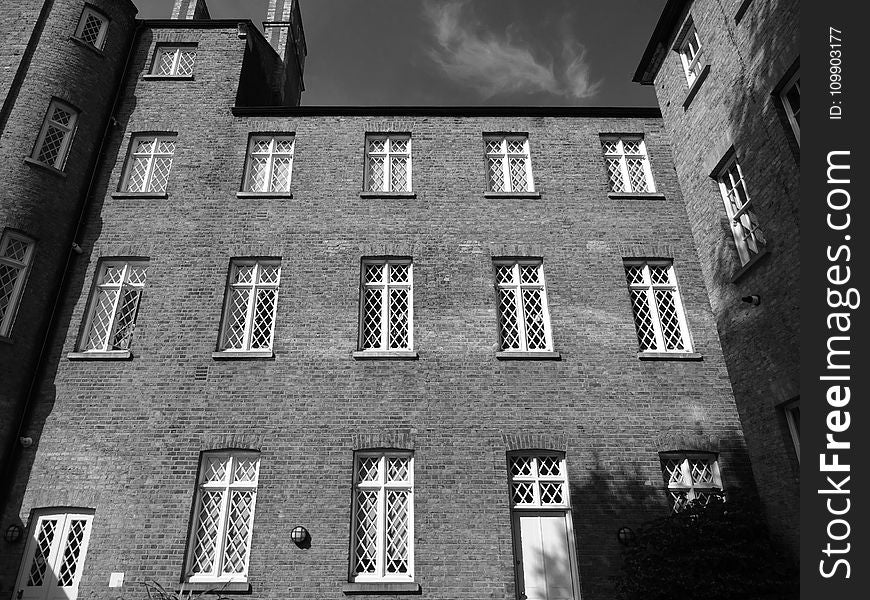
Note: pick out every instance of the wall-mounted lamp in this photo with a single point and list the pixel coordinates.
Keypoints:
(26, 442)
(300, 536)
(76, 248)
(754, 299)
(626, 536)
(13, 534)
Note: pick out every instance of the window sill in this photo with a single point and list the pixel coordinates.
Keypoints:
(90, 47)
(635, 196)
(388, 195)
(287, 195)
(509, 195)
(156, 195)
(385, 355)
(106, 355)
(41, 165)
(168, 77)
(385, 587)
(748, 266)
(741, 10)
(522, 355)
(670, 356)
(216, 587)
(693, 90)
(242, 354)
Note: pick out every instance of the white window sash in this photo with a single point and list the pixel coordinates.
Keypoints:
(60, 161)
(151, 157)
(748, 243)
(520, 308)
(505, 156)
(251, 307)
(648, 288)
(104, 26)
(388, 155)
(99, 286)
(271, 156)
(385, 285)
(623, 157)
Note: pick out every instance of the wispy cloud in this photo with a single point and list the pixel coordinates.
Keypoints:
(495, 64)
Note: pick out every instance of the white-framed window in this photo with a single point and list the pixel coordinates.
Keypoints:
(508, 164)
(544, 552)
(251, 304)
(219, 544)
(388, 163)
(523, 313)
(92, 28)
(387, 304)
(792, 412)
(270, 163)
(690, 50)
(748, 236)
(658, 309)
(55, 137)
(173, 61)
(111, 318)
(54, 556)
(691, 476)
(628, 167)
(383, 517)
(16, 256)
(149, 163)
(790, 96)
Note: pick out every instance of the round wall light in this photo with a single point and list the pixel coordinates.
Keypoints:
(300, 535)
(626, 536)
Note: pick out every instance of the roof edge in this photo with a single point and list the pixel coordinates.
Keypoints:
(651, 59)
(643, 112)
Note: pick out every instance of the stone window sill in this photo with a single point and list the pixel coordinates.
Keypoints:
(168, 77)
(155, 195)
(216, 587)
(517, 355)
(385, 355)
(670, 356)
(509, 195)
(106, 355)
(287, 195)
(636, 196)
(388, 195)
(242, 354)
(748, 266)
(381, 588)
(90, 47)
(693, 90)
(41, 165)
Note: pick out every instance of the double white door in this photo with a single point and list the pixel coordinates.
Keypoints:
(54, 557)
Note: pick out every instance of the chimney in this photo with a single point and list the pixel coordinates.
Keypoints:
(190, 9)
(283, 29)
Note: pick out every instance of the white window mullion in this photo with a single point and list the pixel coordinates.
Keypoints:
(654, 312)
(521, 316)
(506, 169)
(380, 557)
(118, 300)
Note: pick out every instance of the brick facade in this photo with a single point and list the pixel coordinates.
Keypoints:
(752, 50)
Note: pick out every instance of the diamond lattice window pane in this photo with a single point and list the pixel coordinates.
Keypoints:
(284, 146)
(399, 146)
(510, 334)
(145, 146)
(529, 274)
(521, 466)
(16, 250)
(70, 561)
(523, 492)
(536, 338)
(205, 535)
(374, 273)
(160, 175)
(701, 470)
(366, 532)
(397, 468)
(166, 147)
(659, 275)
(257, 174)
(185, 62)
(91, 30)
(634, 275)
(614, 173)
(237, 319)
(377, 180)
(504, 274)
(126, 319)
(51, 145)
(61, 116)
(244, 274)
(368, 468)
(519, 182)
(679, 500)
(399, 273)
(264, 319)
(494, 147)
(496, 174)
(551, 493)
(262, 146)
(377, 146)
(136, 274)
(673, 471)
(399, 174)
(399, 318)
(636, 175)
(670, 321)
(238, 526)
(270, 274)
(631, 146)
(138, 172)
(215, 469)
(611, 147)
(101, 321)
(281, 173)
(40, 555)
(246, 470)
(8, 278)
(646, 337)
(397, 531)
(372, 308)
(113, 274)
(516, 147)
(166, 60)
(549, 466)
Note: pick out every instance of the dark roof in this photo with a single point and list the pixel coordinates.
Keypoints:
(655, 49)
(641, 112)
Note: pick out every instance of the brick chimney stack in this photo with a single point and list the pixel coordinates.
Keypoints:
(283, 29)
(190, 9)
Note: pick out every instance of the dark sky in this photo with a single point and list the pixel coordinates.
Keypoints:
(464, 52)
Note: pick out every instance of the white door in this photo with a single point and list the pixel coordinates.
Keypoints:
(54, 557)
(544, 553)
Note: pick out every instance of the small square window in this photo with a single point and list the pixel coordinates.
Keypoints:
(251, 305)
(691, 477)
(382, 530)
(111, 318)
(388, 163)
(16, 255)
(174, 61)
(219, 543)
(790, 96)
(523, 314)
(628, 167)
(149, 163)
(92, 28)
(270, 164)
(691, 52)
(508, 164)
(55, 137)
(658, 309)
(748, 236)
(386, 305)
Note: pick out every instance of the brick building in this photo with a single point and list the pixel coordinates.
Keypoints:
(727, 80)
(448, 351)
